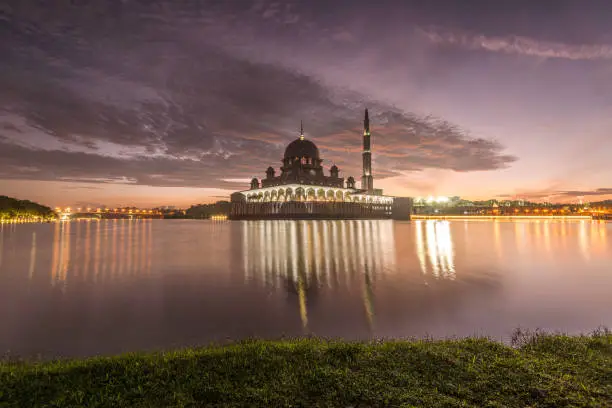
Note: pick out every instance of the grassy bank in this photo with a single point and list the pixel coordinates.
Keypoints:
(545, 371)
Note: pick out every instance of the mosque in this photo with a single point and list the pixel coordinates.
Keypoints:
(302, 190)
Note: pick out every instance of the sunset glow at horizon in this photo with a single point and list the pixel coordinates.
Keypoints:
(123, 103)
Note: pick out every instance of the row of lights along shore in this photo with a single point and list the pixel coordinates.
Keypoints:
(107, 210)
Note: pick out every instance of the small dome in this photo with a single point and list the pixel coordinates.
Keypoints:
(334, 168)
(301, 148)
(270, 170)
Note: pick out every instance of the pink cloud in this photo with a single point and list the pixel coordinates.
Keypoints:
(519, 45)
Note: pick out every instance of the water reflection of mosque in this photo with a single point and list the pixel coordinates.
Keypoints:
(305, 257)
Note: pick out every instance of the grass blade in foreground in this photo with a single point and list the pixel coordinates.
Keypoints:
(549, 371)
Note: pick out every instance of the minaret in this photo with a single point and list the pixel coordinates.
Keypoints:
(367, 182)
(301, 130)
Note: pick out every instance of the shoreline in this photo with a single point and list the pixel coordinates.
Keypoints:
(540, 370)
(502, 217)
(414, 217)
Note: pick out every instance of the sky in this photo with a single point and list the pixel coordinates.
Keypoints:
(160, 102)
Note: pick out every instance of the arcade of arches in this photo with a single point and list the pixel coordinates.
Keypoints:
(311, 194)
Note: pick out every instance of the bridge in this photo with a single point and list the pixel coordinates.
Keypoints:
(107, 213)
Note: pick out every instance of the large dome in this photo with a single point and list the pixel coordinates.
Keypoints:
(302, 148)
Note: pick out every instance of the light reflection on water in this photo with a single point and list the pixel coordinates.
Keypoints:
(81, 288)
(435, 248)
(119, 247)
(275, 251)
(307, 255)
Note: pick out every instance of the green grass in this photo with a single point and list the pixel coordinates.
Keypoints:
(541, 371)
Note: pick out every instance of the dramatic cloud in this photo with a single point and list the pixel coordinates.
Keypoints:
(519, 45)
(207, 94)
(112, 107)
(405, 142)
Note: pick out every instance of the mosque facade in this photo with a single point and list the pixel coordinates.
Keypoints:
(302, 190)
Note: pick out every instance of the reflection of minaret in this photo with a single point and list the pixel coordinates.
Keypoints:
(367, 182)
(301, 288)
(368, 296)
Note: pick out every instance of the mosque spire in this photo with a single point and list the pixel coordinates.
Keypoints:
(301, 130)
(367, 181)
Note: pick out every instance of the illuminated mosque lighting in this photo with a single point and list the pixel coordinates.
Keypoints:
(303, 191)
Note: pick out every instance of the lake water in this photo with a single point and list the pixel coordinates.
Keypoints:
(105, 287)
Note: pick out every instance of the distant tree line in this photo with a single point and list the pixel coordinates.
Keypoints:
(12, 208)
(604, 203)
(203, 211)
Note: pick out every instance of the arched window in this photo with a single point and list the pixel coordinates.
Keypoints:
(299, 193)
(310, 194)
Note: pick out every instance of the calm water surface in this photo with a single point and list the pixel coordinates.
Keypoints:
(104, 287)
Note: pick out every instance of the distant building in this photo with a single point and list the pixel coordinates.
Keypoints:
(303, 190)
